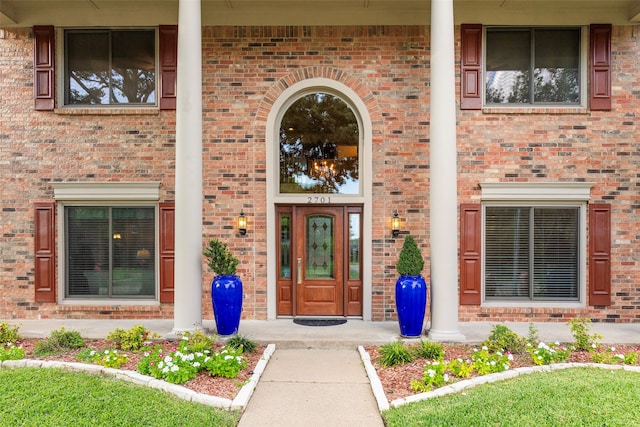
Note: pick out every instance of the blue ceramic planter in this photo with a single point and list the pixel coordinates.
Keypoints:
(411, 303)
(226, 297)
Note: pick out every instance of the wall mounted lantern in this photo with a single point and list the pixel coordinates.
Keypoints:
(395, 225)
(242, 224)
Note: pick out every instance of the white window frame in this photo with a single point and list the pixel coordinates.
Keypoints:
(583, 64)
(557, 194)
(61, 64)
(129, 194)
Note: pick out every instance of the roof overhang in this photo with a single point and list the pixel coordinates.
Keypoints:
(25, 13)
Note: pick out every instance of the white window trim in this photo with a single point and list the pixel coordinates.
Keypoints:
(584, 72)
(536, 191)
(101, 194)
(554, 194)
(106, 191)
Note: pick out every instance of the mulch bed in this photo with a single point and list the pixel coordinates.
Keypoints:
(203, 383)
(396, 380)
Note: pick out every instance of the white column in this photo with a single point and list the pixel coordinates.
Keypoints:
(443, 188)
(188, 213)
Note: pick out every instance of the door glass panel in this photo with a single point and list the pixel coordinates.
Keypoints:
(319, 247)
(354, 246)
(319, 140)
(285, 246)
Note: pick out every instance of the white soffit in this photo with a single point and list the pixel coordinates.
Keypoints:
(576, 191)
(139, 191)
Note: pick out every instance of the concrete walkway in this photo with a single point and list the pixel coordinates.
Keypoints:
(313, 388)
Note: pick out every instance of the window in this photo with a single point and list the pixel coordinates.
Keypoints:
(110, 251)
(532, 66)
(531, 253)
(110, 67)
(319, 143)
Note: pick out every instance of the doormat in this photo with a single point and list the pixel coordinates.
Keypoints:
(319, 322)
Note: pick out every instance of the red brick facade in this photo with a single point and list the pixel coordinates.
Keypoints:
(244, 71)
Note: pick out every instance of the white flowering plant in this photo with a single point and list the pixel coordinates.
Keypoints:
(435, 375)
(461, 368)
(181, 364)
(486, 362)
(10, 351)
(109, 358)
(611, 356)
(482, 362)
(545, 354)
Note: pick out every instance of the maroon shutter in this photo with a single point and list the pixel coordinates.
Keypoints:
(168, 36)
(470, 250)
(600, 254)
(470, 67)
(167, 251)
(600, 66)
(45, 252)
(43, 67)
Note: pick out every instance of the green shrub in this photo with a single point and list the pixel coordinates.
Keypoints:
(394, 353)
(429, 350)
(504, 339)
(197, 341)
(580, 330)
(59, 342)
(8, 333)
(410, 261)
(132, 340)
(239, 341)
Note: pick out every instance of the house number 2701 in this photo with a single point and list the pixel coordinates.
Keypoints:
(318, 199)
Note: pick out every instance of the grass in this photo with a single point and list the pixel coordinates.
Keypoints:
(573, 397)
(53, 397)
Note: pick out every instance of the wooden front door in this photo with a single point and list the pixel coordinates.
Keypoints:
(319, 271)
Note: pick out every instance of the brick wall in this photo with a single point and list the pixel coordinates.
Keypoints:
(244, 70)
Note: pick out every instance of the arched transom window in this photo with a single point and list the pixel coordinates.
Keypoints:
(319, 146)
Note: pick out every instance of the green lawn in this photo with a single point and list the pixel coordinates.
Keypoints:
(53, 397)
(572, 397)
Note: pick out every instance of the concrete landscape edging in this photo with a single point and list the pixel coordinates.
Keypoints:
(238, 403)
(384, 404)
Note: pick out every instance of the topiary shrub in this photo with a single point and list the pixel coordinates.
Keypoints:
(410, 261)
(220, 259)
